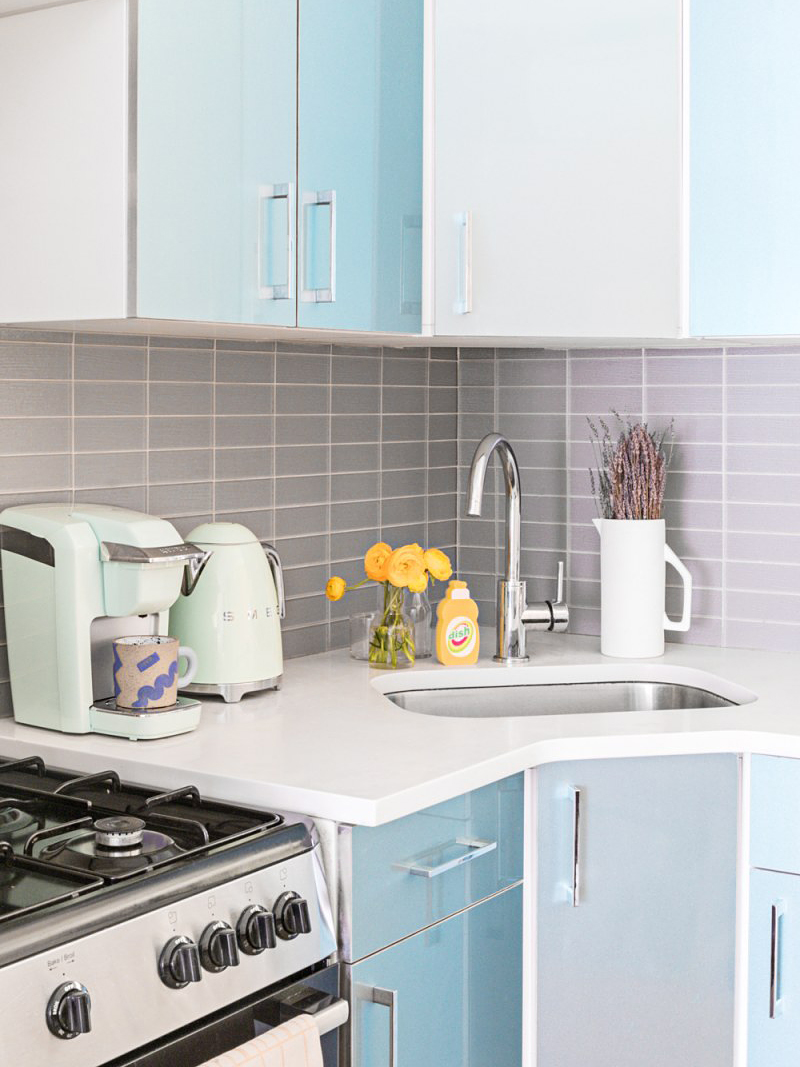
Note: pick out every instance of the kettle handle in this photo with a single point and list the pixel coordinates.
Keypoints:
(275, 566)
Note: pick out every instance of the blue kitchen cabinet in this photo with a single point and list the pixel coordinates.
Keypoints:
(449, 996)
(774, 974)
(636, 909)
(745, 157)
(216, 160)
(360, 164)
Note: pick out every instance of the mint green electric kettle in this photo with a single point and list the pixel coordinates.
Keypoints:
(232, 619)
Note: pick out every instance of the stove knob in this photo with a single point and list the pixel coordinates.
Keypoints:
(291, 916)
(218, 948)
(255, 930)
(69, 1011)
(179, 963)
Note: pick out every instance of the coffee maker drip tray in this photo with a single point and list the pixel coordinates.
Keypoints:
(144, 724)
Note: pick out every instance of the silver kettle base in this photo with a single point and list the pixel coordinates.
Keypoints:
(232, 692)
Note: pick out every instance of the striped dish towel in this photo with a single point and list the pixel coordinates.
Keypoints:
(292, 1044)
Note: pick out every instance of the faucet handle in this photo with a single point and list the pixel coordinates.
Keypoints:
(560, 585)
(558, 607)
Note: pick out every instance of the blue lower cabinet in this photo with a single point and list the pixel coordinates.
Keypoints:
(636, 912)
(449, 996)
(774, 981)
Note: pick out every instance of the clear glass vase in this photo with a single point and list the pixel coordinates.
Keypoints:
(420, 613)
(391, 645)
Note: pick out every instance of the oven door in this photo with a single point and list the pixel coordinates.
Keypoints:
(316, 994)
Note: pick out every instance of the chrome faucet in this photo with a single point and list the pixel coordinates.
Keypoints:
(514, 614)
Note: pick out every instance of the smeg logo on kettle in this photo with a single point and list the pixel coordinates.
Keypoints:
(250, 615)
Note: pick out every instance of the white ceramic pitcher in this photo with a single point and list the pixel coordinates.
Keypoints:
(633, 559)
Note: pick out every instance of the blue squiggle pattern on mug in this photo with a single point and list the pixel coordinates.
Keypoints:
(156, 690)
(117, 665)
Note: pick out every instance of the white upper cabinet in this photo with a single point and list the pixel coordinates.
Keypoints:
(617, 168)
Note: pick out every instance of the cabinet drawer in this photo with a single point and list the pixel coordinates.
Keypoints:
(410, 873)
(775, 813)
(449, 996)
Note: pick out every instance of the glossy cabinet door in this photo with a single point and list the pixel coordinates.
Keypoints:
(636, 910)
(557, 176)
(773, 1032)
(360, 164)
(216, 150)
(745, 158)
(449, 996)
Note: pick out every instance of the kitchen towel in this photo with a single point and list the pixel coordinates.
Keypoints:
(292, 1044)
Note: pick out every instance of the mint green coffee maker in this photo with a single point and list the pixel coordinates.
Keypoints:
(75, 578)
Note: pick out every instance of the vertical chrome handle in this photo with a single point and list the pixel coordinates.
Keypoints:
(326, 294)
(276, 567)
(776, 952)
(267, 193)
(575, 888)
(387, 998)
(463, 304)
(560, 582)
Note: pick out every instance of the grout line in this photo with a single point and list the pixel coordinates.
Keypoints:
(72, 462)
(724, 608)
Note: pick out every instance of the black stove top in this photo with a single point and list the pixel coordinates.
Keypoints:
(63, 836)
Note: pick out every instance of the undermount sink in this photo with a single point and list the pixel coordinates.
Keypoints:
(565, 698)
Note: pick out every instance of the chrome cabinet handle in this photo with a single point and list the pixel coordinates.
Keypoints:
(575, 888)
(387, 998)
(276, 567)
(776, 945)
(463, 303)
(327, 294)
(266, 193)
(474, 849)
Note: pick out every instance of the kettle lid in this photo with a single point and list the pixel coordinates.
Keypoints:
(222, 533)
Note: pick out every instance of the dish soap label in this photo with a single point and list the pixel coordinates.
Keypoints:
(457, 635)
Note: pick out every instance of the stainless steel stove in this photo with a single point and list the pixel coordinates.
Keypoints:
(149, 928)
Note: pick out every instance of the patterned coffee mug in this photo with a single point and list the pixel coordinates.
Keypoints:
(146, 671)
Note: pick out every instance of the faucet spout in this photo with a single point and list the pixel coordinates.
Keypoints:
(491, 443)
(514, 615)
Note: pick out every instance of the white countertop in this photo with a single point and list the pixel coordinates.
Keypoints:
(330, 745)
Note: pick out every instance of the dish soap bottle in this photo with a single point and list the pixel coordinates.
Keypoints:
(457, 636)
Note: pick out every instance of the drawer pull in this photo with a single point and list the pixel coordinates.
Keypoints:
(474, 850)
(387, 998)
(575, 889)
(776, 951)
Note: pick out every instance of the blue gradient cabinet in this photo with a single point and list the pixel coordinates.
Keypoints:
(636, 909)
(774, 979)
(450, 996)
(745, 158)
(216, 153)
(360, 164)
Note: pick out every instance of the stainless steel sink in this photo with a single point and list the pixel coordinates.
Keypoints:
(560, 698)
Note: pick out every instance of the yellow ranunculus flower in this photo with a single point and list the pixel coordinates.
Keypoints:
(376, 560)
(438, 564)
(405, 565)
(418, 585)
(335, 588)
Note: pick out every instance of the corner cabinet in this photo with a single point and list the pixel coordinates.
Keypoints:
(616, 169)
(431, 912)
(636, 912)
(234, 161)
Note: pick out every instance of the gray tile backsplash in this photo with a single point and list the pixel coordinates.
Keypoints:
(325, 448)
(321, 448)
(733, 494)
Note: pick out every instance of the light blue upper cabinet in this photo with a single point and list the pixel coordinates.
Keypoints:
(745, 161)
(360, 164)
(636, 910)
(216, 152)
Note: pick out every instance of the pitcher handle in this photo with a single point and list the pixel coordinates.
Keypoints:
(686, 617)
